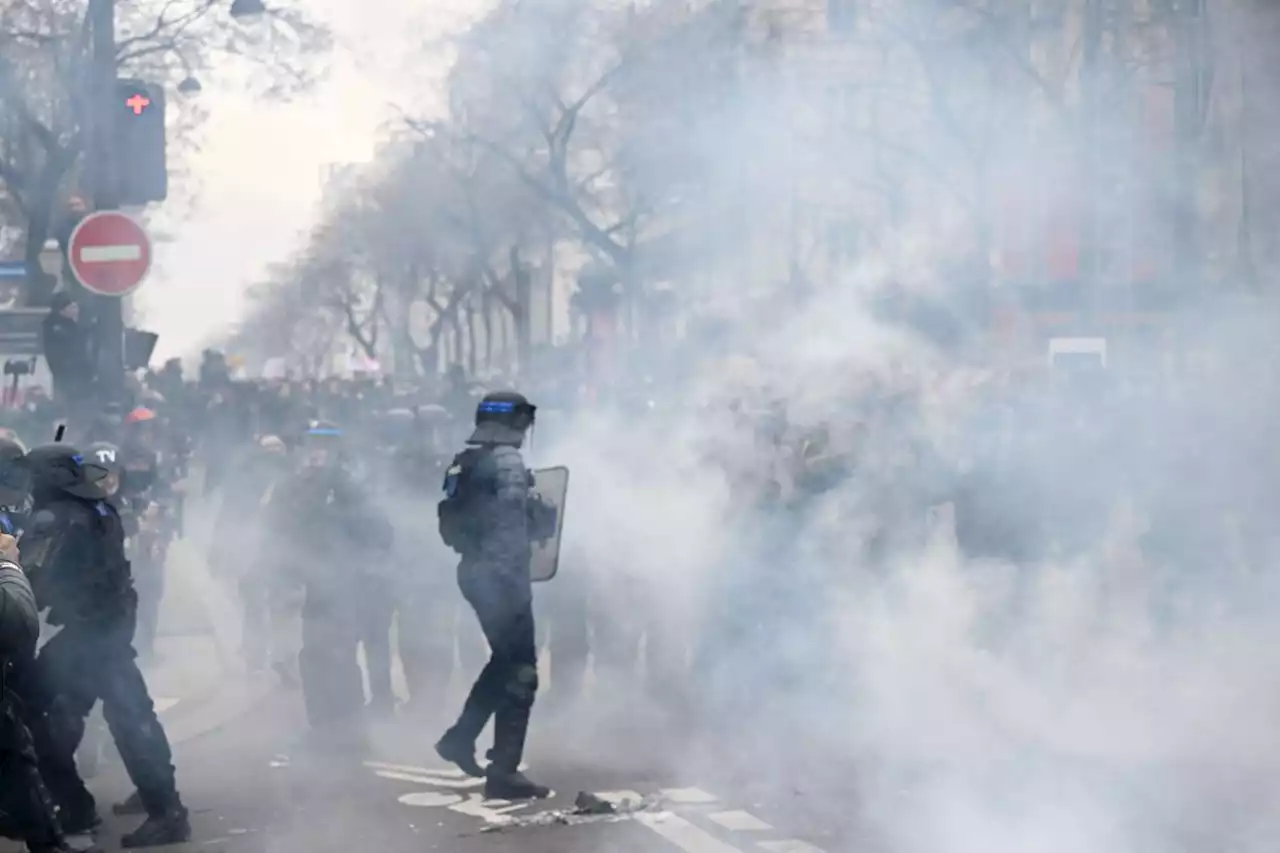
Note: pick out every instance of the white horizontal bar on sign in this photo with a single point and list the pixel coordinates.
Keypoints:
(106, 254)
(739, 821)
(683, 834)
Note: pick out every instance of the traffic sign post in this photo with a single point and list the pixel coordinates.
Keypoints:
(109, 253)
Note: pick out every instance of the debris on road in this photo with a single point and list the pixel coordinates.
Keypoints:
(587, 808)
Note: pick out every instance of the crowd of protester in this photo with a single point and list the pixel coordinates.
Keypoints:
(1034, 464)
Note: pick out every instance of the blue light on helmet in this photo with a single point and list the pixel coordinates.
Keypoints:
(497, 407)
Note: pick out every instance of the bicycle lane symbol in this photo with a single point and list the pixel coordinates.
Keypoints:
(448, 789)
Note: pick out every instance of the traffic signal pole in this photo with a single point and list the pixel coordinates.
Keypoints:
(108, 312)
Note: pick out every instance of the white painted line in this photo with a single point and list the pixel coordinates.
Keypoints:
(687, 795)
(683, 834)
(164, 703)
(789, 845)
(430, 799)
(106, 254)
(617, 798)
(740, 821)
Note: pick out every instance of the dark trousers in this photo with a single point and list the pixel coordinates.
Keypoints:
(73, 671)
(426, 639)
(507, 685)
(332, 688)
(379, 610)
(26, 810)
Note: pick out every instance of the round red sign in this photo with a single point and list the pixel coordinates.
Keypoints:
(109, 253)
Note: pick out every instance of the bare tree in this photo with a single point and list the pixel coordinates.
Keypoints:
(44, 82)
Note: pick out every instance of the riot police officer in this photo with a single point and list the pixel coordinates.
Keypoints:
(323, 529)
(486, 517)
(76, 560)
(26, 811)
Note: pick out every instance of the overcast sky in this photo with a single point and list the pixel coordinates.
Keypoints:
(260, 165)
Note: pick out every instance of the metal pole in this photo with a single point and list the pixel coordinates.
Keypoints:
(108, 311)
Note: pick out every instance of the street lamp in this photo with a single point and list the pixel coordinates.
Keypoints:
(51, 259)
(247, 8)
(189, 86)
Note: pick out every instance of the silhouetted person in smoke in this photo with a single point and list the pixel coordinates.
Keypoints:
(66, 348)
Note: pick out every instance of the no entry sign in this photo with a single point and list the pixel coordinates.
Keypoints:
(109, 253)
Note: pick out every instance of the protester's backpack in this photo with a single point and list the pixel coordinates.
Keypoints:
(456, 511)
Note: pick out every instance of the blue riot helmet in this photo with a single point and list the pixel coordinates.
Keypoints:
(503, 417)
(322, 444)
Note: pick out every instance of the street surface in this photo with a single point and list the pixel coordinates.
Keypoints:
(256, 784)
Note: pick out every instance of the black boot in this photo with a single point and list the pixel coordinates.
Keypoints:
(170, 827)
(503, 779)
(458, 750)
(512, 785)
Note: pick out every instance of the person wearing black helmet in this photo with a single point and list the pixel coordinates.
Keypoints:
(26, 810)
(75, 557)
(485, 517)
(314, 516)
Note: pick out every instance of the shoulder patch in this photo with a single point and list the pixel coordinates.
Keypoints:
(451, 477)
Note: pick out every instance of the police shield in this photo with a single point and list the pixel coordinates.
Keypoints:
(550, 485)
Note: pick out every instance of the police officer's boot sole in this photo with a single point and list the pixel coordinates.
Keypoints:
(159, 830)
(461, 755)
(513, 786)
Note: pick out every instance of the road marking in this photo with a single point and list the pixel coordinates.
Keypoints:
(740, 821)
(107, 254)
(164, 703)
(683, 834)
(688, 796)
(477, 806)
(430, 799)
(789, 845)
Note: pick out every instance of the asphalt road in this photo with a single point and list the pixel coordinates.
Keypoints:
(255, 784)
